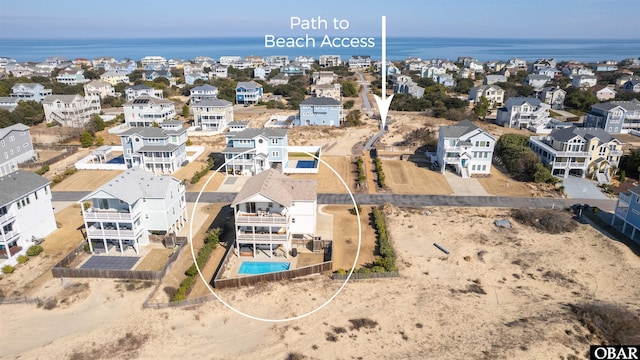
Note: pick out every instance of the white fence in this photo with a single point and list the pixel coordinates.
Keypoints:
(90, 162)
(316, 150)
(198, 151)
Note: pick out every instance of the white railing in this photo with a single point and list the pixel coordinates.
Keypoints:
(624, 197)
(615, 153)
(93, 214)
(579, 154)
(261, 237)
(570, 165)
(9, 236)
(8, 217)
(263, 219)
(97, 232)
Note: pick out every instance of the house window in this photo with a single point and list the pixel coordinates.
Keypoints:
(275, 154)
(46, 190)
(35, 193)
(293, 220)
(274, 141)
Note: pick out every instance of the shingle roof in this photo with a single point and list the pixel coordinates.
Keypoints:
(320, 101)
(627, 105)
(15, 127)
(139, 87)
(457, 130)
(145, 99)
(135, 184)
(212, 102)
(518, 101)
(63, 98)
(18, 184)
(27, 85)
(248, 85)
(278, 187)
(567, 134)
(252, 133)
(205, 87)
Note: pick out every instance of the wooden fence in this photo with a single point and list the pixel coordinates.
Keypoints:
(276, 276)
(69, 150)
(20, 300)
(61, 269)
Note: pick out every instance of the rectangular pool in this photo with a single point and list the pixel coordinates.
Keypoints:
(306, 164)
(262, 267)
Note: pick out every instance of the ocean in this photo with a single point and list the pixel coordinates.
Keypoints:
(397, 48)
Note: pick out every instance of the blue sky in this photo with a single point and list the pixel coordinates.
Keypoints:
(428, 18)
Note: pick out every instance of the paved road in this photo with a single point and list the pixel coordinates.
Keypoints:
(397, 199)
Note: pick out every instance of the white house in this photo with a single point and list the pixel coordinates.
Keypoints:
(553, 96)
(493, 93)
(212, 115)
(330, 60)
(578, 151)
(26, 213)
(465, 147)
(359, 61)
(603, 93)
(323, 77)
(71, 110)
(125, 211)
(153, 61)
(537, 81)
(202, 93)
(15, 147)
(8, 103)
(100, 88)
(135, 91)
(145, 110)
(71, 76)
(520, 112)
(219, 71)
(270, 210)
(494, 79)
(584, 81)
(30, 91)
(157, 150)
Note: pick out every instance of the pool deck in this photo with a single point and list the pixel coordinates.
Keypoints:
(233, 266)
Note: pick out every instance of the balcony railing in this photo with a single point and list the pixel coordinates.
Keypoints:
(7, 218)
(109, 214)
(577, 154)
(9, 236)
(109, 233)
(261, 237)
(624, 198)
(570, 165)
(622, 212)
(250, 219)
(615, 152)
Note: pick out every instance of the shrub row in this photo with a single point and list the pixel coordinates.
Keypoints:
(197, 176)
(43, 169)
(58, 178)
(210, 243)
(378, 164)
(34, 250)
(362, 177)
(387, 259)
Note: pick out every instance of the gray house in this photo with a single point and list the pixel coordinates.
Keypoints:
(266, 148)
(15, 147)
(157, 150)
(615, 117)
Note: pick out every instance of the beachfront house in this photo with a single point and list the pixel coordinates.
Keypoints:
(537, 81)
(71, 110)
(271, 210)
(157, 150)
(265, 148)
(124, 212)
(26, 214)
(493, 93)
(29, 91)
(494, 79)
(359, 61)
(553, 96)
(127, 66)
(320, 111)
(466, 148)
(520, 112)
(578, 152)
(615, 117)
(212, 115)
(329, 60)
(144, 111)
(136, 91)
(15, 147)
(100, 88)
(248, 92)
(153, 61)
(202, 93)
(628, 209)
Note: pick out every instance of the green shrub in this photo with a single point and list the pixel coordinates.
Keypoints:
(381, 178)
(623, 176)
(23, 259)
(352, 211)
(43, 169)
(7, 269)
(34, 250)
(86, 247)
(341, 272)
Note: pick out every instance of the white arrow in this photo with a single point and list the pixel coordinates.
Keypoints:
(384, 103)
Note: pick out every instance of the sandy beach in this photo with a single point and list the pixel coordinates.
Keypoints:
(499, 294)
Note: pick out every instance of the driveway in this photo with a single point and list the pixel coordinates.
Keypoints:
(578, 188)
(464, 187)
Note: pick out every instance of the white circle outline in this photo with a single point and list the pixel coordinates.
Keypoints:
(355, 260)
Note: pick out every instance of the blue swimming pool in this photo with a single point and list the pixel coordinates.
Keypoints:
(262, 267)
(306, 164)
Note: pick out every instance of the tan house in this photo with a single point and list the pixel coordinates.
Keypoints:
(603, 93)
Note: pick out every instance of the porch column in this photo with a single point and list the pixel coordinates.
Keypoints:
(624, 226)
(633, 233)
(613, 219)
(254, 250)
(120, 244)
(270, 250)
(104, 242)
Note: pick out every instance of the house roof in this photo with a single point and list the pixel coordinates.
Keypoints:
(98, 83)
(239, 123)
(147, 132)
(212, 103)
(144, 99)
(18, 184)
(62, 98)
(139, 87)
(135, 184)
(27, 85)
(278, 187)
(569, 133)
(457, 130)
(248, 85)
(205, 87)
(15, 127)
(167, 147)
(320, 101)
(253, 132)
(485, 87)
(520, 100)
(627, 105)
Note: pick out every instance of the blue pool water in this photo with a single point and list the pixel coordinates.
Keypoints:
(260, 267)
(306, 164)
